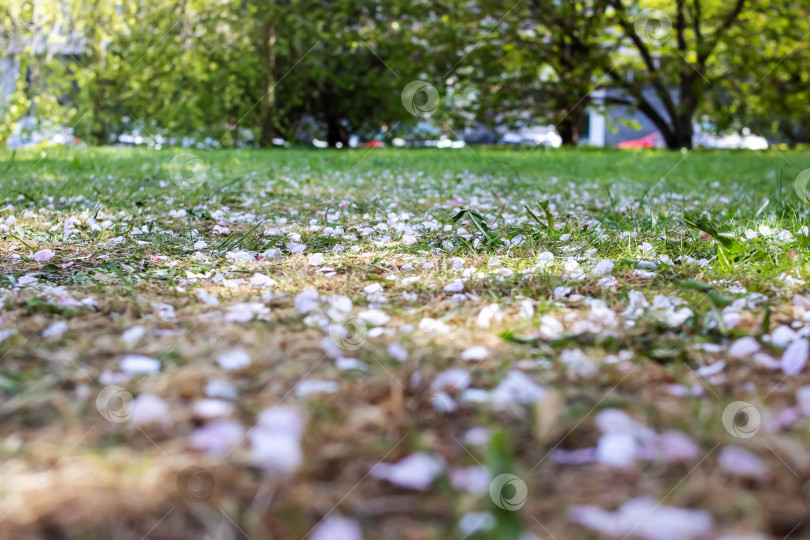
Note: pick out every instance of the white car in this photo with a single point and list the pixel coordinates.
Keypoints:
(534, 136)
(744, 140)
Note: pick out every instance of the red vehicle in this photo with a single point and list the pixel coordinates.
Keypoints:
(647, 141)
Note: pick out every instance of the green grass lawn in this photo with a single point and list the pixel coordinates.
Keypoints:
(248, 344)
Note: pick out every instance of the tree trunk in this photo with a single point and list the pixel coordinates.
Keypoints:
(99, 127)
(336, 133)
(685, 132)
(677, 132)
(570, 126)
(792, 133)
(679, 137)
(268, 120)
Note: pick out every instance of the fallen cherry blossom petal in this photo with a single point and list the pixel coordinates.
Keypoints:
(803, 400)
(135, 363)
(454, 287)
(306, 301)
(220, 389)
(617, 450)
(133, 334)
(234, 359)
(741, 462)
(417, 471)
(397, 352)
(374, 317)
(517, 387)
(149, 409)
(452, 379)
(744, 347)
(43, 255)
(475, 479)
(337, 528)
(309, 387)
(218, 436)
(55, 330)
(477, 352)
(795, 357)
(282, 419)
(212, 408)
(644, 518)
(275, 451)
(678, 446)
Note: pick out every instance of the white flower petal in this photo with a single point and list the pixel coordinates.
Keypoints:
(617, 450)
(133, 334)
(135, 363)
(374, 317)
(337, 528)
(275, 451)
(795, 357)
(43, 255)
(234, 359)
(308, 387)
(452, 379)
(217, 437)
(741, 462)
(454, 287)
(149, 409)
(477, 352)
(417, 471)
(397, 352)
(744, 347)
(55, 330)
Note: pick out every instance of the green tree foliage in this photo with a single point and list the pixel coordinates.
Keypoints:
(248, 71)
(539, 61)
(766, 83)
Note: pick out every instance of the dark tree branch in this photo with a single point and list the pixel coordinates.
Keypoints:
(617, 101)
(655, 78)
(697, 19)
(680, 28)
(729, 20)
(643, 105)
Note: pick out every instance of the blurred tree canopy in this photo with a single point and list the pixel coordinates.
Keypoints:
(250, 71)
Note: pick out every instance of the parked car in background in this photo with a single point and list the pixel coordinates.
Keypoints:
(647, 141)
(705, 137)
(442, 142)
(479, 136)
(533, 136)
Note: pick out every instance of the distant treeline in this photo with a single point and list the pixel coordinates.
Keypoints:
(251, 71)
